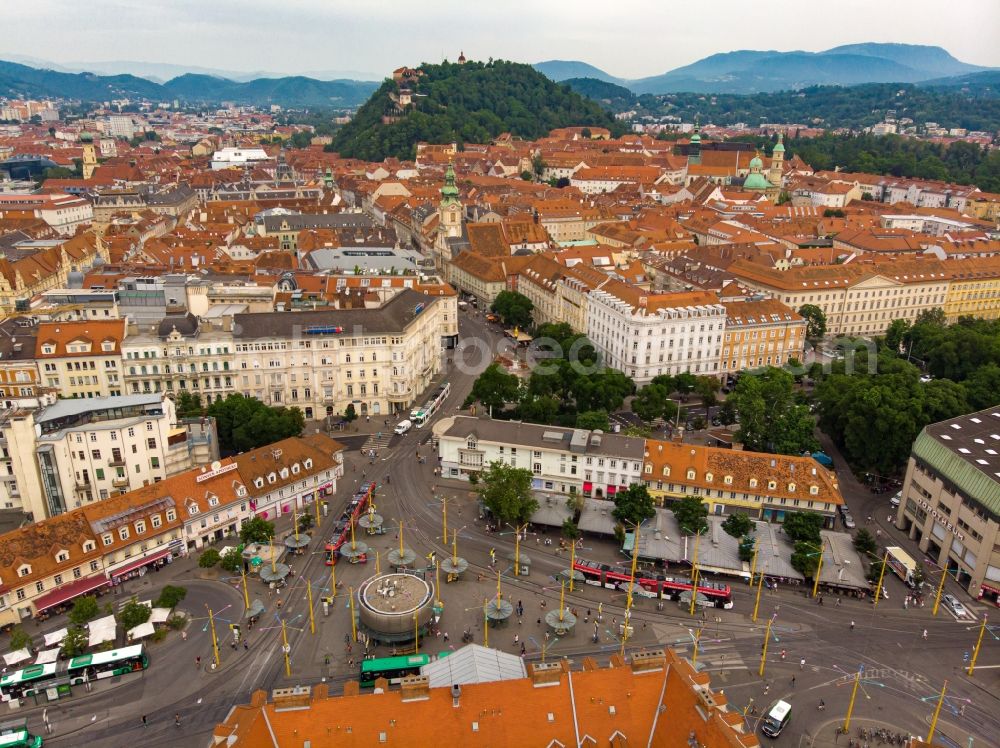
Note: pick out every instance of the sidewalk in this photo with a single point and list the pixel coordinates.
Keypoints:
(827, 735)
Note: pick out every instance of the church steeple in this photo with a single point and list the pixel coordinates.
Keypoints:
(694, 149)
(777, 162)
(449, 193)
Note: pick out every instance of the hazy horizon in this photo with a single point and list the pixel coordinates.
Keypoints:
(314, 36)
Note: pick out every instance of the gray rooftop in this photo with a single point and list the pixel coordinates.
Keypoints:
(393, 316)
(79, 405)
(552, 510)
(298, 222)
(596, 517)
(474, 664)
(578, 441)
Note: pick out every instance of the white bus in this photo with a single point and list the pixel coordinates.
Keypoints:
(776, 719)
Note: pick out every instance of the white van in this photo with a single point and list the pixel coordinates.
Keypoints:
(403, 426)
(776, 719)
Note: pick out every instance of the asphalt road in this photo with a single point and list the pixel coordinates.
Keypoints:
(903, 671)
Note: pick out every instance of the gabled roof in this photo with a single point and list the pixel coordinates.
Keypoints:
(474, 664)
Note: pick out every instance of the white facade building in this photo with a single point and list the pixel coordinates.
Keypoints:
(228, 158)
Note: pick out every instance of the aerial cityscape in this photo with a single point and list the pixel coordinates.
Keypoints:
(541, 374)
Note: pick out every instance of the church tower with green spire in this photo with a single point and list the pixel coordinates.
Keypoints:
(449, 216)
(694, 149)
(777, 162)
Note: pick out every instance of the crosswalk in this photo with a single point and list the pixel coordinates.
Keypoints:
(377, 441)
(713, 655)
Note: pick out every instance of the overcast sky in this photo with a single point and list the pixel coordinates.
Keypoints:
(627, 38)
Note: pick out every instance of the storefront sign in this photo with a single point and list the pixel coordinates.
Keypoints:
(942, 519)
(215, 471)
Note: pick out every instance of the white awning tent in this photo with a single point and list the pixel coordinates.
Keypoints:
(102, 630)
(56, 637)
(13, 658)
(47, 656)
(141, 631)
(159, 615)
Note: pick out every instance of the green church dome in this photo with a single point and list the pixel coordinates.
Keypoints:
(756, 163)
(756, 181)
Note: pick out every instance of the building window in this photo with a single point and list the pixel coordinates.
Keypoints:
(107, 538)
(123, 533)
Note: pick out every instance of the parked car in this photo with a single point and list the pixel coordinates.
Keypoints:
(897, 497)
(954, 606)
(844, 511)
(849, 521)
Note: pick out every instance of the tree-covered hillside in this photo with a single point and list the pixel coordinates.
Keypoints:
(615, 97)
(469, 103)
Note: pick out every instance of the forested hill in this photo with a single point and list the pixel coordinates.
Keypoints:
(469, 103)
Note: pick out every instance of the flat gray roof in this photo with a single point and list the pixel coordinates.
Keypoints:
(79, 405)
(596, 517)
(518, 433)
(552, 510)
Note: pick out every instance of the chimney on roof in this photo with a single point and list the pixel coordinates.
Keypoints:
(456, 691)
(416, 688)
(545, 674)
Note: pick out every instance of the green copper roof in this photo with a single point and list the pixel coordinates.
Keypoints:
(779, 147)
(954, 468)
(756, 163)
(756, 181)
(449, 193)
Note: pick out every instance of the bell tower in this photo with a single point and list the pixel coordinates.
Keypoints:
(777, 162)
(89, 159)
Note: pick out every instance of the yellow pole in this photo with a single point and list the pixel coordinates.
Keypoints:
(437, 580)
(353, 543)
(940, 589)
(517, 551)
(486, 625)
(444, 519)
(354, 624)
(631, 589)
(333, 578)
(850, 707)
(416, 633)
(819, 568)
(572, 562)
(763, 652)
(937, 711)
(562, 598)
(694, 658)
(753, 563)
(295, 524)
(498, 590)
(454, 547)
(400, 540)
(312, 621)
(271, 547)
(694, 575)
(215, 642)
(246, 592)
(284, 649)
(378, 563)
(979, 642)
(881, 574)
(756, 605)
(316, 506)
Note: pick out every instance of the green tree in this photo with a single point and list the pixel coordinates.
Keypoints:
(897, 334)
(727, 413)
(256, 530)
(707, 388)
(232, 561)
(526, 175)
(85, 608)
(209, 558)
(633, 505)
(746, 548)
(245, 423)
(19, 639)
(133, 614)
(514, 309)
(76, 641)
(170, 596)
(494, 388)
(982, 388)
(805, 559)
(803, 527)
(306, 521)
(593, 419)
(864, 543)
(569, 529)
(737, 525)
(650, 402)
(770, 418)
(188, 405)
(684, 383)
(350, 414)
(691, 514)
(506, 492)
(815, 321)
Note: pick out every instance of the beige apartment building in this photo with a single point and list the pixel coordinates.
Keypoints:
(380, 360)
(559, 293)
(81, 359)
(761, 333)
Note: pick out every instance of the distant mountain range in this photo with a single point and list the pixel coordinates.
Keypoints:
(752, 71)
(294, 91)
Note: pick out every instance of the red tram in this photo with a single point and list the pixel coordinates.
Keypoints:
(652, 585)
(352, 512)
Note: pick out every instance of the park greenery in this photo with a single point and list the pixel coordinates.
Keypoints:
(85, 608)
(633, 505)
(738, 525)
(170, 596)
(655, 400)
(469, 103)
(245, 423)
(875, 416)
(803, 529)
(19, 639)
(256, 530)
(506, 491)
(864, 542)
(567, 387)
(815, 321)
(232, 561)
(513, 308)
(209, 558)
(75, 642)
(188, 405)
(691, 514)
(770, 415)
(133, 614)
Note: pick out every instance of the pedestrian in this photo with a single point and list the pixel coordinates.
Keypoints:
(145, 722)
(523, 650)
(445, 637)
(802, 664)
(782, 654)
(517, 638)
(793, 680)
(246, 646)
(852, 625)
(925, 633)
(838, 603)
(184, 635)
(767, 687)
(177, 719)
(197, 662)
(539, 621)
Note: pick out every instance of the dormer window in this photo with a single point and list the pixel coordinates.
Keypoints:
(728, 480)
(283, 473)
(472, 443)
(753, 483)
(193, 508)
(308, 463)
(666, 470)
(140, 527)
(648, 469)
(296, 469)
(62, 556)
(690, 474)
(107, 538)
(708, 477)
(48, 349)
(241, 491)
(123, 533)
(171, 515)
(271, 477)
(24, 570)
(108, 345)
(258, 482)
(771, 485)
(791, 488)
(88, 546)
(813, 490)
(213, 501)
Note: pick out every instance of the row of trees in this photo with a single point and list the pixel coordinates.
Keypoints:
(245, 423)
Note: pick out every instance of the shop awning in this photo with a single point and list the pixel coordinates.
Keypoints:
(141, 631)
(140, 562)
(13, 658)
(69, 591)
(56, 637)
(159, 615)
(47, 656)
(102, 630)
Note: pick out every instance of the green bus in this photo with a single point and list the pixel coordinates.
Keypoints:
(28, 681)
(394, 669)
(20, 739)
(107, 664)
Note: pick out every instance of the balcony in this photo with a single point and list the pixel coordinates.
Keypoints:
(119, 482)
(117, 463)
(83, 485)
